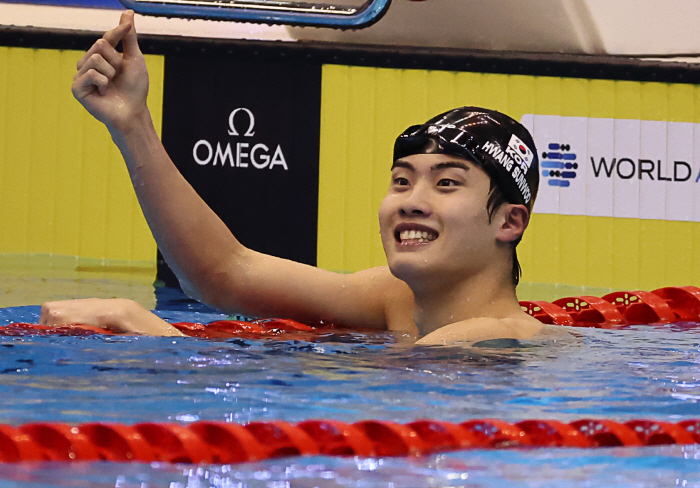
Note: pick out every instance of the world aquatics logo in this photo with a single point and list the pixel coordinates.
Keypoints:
(558, 165)
(622, 168)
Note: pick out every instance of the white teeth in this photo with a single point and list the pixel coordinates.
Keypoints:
(420, 236)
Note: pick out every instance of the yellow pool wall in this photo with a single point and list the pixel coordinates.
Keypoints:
(64, 189)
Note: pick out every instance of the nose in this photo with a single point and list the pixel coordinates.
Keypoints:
(415, 203)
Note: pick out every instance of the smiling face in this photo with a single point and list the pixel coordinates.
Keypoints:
(434, 222)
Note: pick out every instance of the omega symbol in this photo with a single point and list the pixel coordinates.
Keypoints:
(232, 126)
(239, 154)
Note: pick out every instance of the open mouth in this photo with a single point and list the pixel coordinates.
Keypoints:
(413, 235)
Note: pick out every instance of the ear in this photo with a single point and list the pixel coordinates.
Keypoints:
(512, 221)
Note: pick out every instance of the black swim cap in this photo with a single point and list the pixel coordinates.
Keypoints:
(496, 142)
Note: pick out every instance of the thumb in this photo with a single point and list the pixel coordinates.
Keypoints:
(115, 35)
(130, 42)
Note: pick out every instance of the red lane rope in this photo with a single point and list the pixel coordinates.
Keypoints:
(621, 308)
(223, 443)
(614, 310)
(279, 328)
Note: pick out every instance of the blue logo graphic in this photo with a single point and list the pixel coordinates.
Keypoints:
(558, 165)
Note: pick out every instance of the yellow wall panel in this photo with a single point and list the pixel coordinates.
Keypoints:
(412, 102)
(17, 149)
(652, 265)
(93, 205)
(654, 101)
(628, 105)
(522, 95)
(573, 237)
(601, 252)
(467, 89)
(547, 233)
(695, 262)
(681, 103)
(599, 239)
(388, 123)
(601, 95)
(46, 96)
(625, 251)
(575, 95)
(628, 100)
(441, 92)
(64, 188)
(68, 184)
(574, 102)
(494, 92)
(543, 236)
(4, 70)
(358, 203)
(522, 100)
(678, 236)
(696, 104)
(334, 151)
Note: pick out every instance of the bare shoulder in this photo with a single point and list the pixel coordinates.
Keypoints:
(378, 282)
(486, 328)
(379, 287)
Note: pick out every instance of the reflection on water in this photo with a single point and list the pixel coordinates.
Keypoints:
(648, 467)
(637, 372)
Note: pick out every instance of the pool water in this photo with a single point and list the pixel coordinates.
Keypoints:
(639, 372)
(652, 467)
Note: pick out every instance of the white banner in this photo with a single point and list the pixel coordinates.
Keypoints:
(642, 169)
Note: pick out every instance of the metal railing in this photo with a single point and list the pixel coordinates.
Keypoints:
(267, 11)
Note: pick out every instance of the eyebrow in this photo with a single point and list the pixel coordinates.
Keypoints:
(449, 164)
(402, 164)
(435, 167)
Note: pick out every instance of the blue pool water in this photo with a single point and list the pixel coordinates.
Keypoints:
(639, 372)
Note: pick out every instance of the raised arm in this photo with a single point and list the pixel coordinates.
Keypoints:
(210, 263)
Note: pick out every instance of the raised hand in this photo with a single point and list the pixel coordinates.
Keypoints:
(113, 86)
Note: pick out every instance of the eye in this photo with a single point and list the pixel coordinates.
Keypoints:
(447, 182)
(399, 181)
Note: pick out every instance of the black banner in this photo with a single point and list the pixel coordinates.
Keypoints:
(245, 134)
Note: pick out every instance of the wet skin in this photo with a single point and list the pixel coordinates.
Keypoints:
(439, 239)
(445, 196)
(448, 279)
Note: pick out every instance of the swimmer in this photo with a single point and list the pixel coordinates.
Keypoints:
(461, 192)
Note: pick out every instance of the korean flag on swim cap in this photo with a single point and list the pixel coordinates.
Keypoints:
(492, 140)
(521, 153)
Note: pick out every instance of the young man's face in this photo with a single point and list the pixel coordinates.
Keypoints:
(434, 223)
